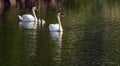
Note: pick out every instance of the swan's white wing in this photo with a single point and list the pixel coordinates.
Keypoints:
(54, 27)
(28, 18)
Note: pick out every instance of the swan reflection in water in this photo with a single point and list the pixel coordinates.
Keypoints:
(31, 25)
(28, 25)
(29, 41)
(56, 41)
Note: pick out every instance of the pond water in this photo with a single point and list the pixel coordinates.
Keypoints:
(91, 35)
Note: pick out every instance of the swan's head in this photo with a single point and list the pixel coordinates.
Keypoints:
(34, 8)
(59, 14)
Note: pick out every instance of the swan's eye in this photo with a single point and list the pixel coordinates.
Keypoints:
(61, 14)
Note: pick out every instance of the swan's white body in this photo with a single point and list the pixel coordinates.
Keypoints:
(56, 27)
(30, 22)
(28, 17)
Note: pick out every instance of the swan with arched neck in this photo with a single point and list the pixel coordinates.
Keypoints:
(58, 26)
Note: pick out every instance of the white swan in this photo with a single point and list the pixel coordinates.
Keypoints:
(30, 22)
(56, 27)
(28, 17)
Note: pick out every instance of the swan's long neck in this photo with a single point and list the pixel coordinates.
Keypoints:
(60, 25)
(34, 14)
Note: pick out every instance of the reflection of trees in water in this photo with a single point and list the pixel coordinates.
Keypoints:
(43, 6)
(1, 7)
(25, 3)
(50, 3)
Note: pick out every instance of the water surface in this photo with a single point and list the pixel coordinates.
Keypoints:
(91, 35)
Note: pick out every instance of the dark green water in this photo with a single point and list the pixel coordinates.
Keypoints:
(91, 35)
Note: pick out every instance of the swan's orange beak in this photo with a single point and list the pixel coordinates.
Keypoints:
(61, 15)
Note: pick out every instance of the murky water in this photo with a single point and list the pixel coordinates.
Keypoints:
(91, 35)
